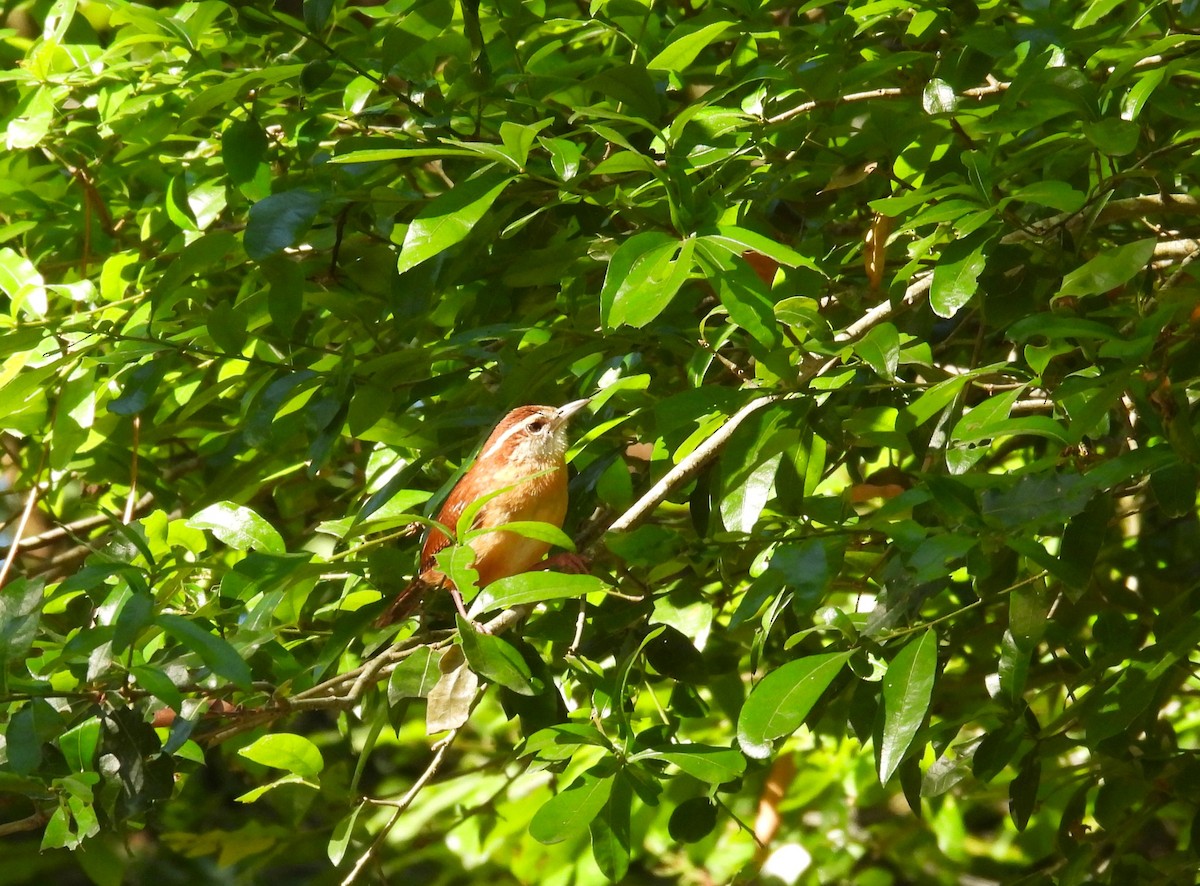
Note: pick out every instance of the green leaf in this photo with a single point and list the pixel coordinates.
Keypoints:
(748, 494)
(984, 420)
(1022, 792)
(22, 283)
(534, 587)
(283, 750)
(682, 50)
(610, 831)
(243, 150)
(380, 155)
(1109, 269)
(58, 830)
(880, 349)
(314, 74)
(158, 684)
(518, 138)
(1055, 194)
(956, 276)
(339, 840)
(316, 14)
(562, 740)
(214, 651)
(643, 277)
(709, 764)
(139, 388)
(279, 221)
(693, 820)
(572, 811)
(239, 527)
(79, 744)
(1037, 499)
(457, 563)
(449, 218)
(413, 677)
(1113, 136)
(743, 295)
(739, 240)
(779, 703)
(22, 744)
(907, 690)
(32, 120)
(497, 660)
(256, 793)
(938, 97)
(534, 529)
(20, 611)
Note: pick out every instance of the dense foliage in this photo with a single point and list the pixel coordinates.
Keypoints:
(892, 301)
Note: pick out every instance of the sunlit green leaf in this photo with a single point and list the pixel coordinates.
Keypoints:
(572, 811)
(907, 690)
(282, 750)
(449, 218)
(779, 703)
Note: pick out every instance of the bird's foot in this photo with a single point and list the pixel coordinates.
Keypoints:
(571, 564)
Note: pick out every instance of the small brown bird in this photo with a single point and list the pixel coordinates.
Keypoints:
(524, 455)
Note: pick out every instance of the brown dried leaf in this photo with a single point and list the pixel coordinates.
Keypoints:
(875, 249)
(451, 698)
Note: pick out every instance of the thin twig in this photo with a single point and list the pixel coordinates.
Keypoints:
(992, 88)
(1116, 210)
(30, 502)
(402, 804)
(131, 499)
(703, 453)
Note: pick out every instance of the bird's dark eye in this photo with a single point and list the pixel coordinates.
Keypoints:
(537, 426)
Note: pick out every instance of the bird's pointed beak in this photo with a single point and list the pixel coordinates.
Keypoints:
(565, 412)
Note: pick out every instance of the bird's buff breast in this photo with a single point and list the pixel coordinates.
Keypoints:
(500, 554)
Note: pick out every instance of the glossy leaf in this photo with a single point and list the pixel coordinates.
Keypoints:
(907, 691)
(534, 587)
(496, 660)
(779, 703)
(683, 50)
(572, 811)
(1109, 269)
(279, 221)
(282, 750)
(643, 277)
(449, 218)
(214, 651)
(710, 765)
(239, 527)
(956, 276)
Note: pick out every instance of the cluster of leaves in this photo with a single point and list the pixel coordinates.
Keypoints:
(919, 275)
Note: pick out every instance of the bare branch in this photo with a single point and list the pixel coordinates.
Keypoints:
(703, 453)
(21, 825)
(1117, 210)
(992, 88)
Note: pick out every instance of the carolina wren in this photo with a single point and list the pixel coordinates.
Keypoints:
(524, 457)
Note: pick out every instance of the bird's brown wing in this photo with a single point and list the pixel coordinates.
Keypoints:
(407, 601)
(464, 492)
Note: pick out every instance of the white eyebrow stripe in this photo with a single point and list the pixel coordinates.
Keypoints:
(504, 437)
